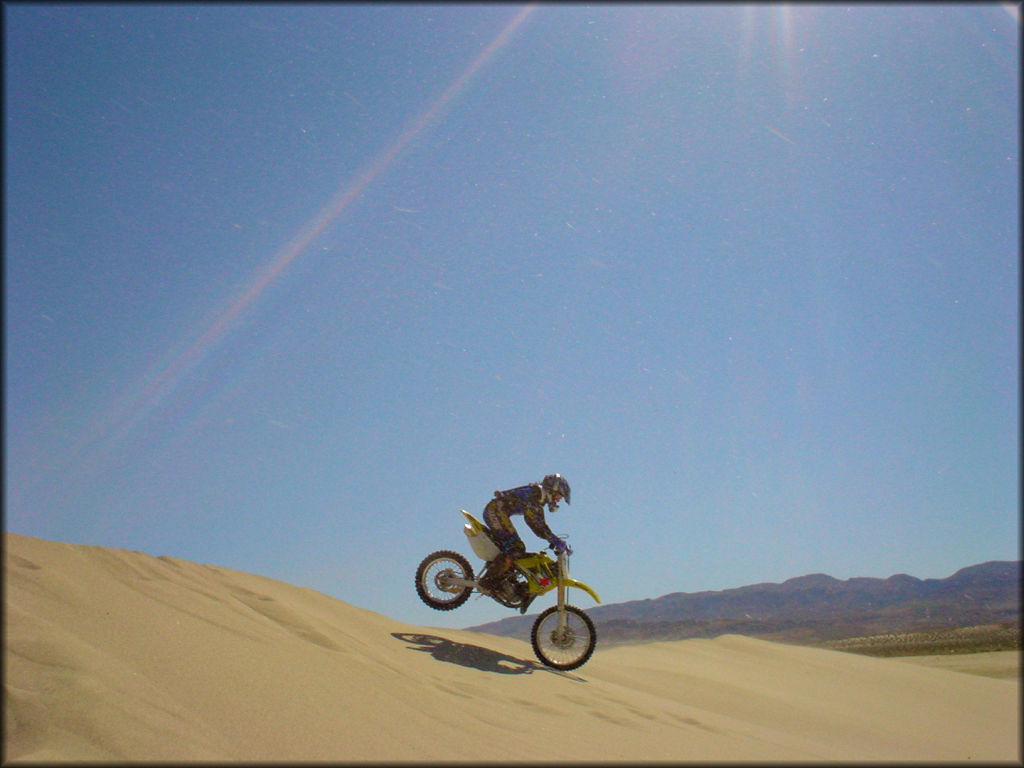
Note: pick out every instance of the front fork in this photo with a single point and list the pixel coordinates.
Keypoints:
(563, 574)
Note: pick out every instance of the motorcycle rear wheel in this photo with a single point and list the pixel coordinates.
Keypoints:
(431, 577)
(566, 648)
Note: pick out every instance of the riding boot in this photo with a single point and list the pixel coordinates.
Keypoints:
(491, 577)
(526, 603)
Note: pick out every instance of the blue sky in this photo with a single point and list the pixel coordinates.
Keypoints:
(287, 286)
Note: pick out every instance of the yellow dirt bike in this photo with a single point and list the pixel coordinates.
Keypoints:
(563, 636)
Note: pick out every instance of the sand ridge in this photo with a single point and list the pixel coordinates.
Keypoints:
(111, 654)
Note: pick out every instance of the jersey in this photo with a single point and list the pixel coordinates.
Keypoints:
(528, 501)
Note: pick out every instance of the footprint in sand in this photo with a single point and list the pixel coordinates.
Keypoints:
(22, 562)
(693, 722)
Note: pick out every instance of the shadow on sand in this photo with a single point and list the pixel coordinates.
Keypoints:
(476, 656)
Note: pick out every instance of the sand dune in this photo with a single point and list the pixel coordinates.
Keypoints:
(113, 654)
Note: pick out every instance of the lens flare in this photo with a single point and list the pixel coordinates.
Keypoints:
(157, 383)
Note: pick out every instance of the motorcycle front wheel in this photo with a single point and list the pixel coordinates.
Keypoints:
(567, 646)
(434, 577)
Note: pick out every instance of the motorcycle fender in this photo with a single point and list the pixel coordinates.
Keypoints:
(474, 523)
(584, 587)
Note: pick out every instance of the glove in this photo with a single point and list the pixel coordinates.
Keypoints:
(558, 546)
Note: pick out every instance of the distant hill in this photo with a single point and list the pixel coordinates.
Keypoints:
(813, 609)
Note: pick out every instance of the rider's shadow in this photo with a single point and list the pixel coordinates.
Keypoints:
(475, 656)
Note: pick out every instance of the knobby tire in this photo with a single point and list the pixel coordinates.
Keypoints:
(433, 566)
(577, 653)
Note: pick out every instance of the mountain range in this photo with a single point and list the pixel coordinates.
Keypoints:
(812, 609)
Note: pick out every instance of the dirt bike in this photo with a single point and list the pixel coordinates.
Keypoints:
(563, 636)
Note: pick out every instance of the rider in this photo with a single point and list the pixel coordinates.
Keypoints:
(528, 501)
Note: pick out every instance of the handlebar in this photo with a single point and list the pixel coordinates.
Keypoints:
(567, 550)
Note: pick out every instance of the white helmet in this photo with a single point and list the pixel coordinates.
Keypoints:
(556, 483)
